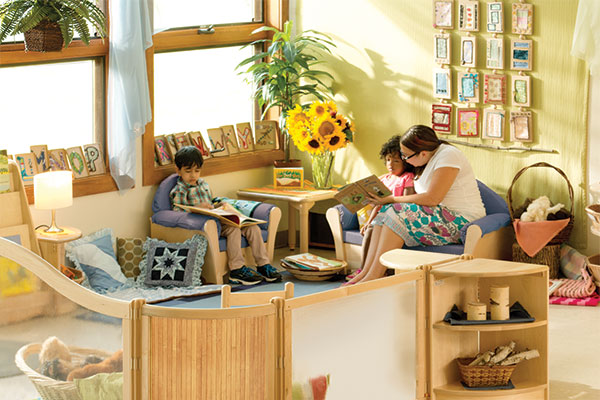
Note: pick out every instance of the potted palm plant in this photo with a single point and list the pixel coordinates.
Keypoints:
(47, 24)
(285, 71)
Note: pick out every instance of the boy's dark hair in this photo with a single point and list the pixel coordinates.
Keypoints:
(391, 147)
(188, 156)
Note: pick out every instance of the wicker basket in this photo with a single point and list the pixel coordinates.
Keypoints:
(45, 36)
(48, 388)
(549, 255)
(482, 375)
(564, 234)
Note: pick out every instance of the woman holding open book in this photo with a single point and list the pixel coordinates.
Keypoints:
(447, 198)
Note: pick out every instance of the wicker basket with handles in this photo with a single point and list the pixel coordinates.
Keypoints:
(483, 375)
(48, 388)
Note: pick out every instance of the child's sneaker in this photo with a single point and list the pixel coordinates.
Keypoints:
(353, 274)
(269, 273)
(245, 276)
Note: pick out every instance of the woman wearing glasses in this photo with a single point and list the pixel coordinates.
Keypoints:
(447, 198)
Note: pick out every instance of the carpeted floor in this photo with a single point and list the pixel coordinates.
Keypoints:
(8, 349)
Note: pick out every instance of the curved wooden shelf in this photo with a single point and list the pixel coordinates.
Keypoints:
(482, 267)
(489, 327)
(456, 389)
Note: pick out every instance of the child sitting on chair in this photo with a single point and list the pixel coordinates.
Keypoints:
(191, 190)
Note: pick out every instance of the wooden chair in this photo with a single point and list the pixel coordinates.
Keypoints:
(229, 299)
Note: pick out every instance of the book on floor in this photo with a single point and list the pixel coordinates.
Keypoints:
(355, 195)
(311, 262)
(227, 214)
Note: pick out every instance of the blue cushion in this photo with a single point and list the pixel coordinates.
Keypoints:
(162, 201)
(492, 201)
(99, 280)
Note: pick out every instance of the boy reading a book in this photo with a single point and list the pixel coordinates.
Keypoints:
(191, 190)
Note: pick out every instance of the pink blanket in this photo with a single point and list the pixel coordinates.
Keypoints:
(533, 236)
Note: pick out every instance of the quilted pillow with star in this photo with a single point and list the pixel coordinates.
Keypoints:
(173, 264)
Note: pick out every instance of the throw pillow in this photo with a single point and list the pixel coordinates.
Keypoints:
(572, 262)
(130, 252)
(173, 264)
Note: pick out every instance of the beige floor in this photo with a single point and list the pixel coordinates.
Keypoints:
(574, 347)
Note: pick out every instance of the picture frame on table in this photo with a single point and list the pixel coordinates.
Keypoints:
(443, 14)
(494, 89)
(27, 167)
(442, 48)
(521, 55)
(245, 138)
(468, 87)
(494, 53)
(77, 161)
(442, 83)
(495, 17)
(494, 121)
(468, 15)
(521, 90)
(441, 118)
(467, 122)
(521, 126)
(522, 18)
(468, 51)
(288, 178)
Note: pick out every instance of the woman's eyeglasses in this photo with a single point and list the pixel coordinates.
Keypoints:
(404, 157)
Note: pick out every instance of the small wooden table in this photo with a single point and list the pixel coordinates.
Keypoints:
(297, 199)
(402, 260)
(52, 245)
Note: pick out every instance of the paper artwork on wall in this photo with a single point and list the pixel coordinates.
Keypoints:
(494, 89)
(161, 149)
(521, 90)
(441, 118)
(441, 49)
(468, 51)
(495, 17)
(521, 126)
(443, 17)
(197, 140)
(181, 140)
(94, 158)
(217, 142)
(493, 124)
(41, 157)
(230, 139)
(468, 15)
(14, 279)
(171, 144)
(467, 120)
(244, 136)
(521, 55)
(58, 160)
(442, 83)
(27, 167)
(77, 161)
(494, 53)
(468, 87)
(265, 135)
(522, 18)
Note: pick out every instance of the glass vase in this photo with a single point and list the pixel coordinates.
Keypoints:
(322, 169)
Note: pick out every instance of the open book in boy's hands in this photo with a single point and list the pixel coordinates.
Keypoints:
(355, 196)
(226, 213)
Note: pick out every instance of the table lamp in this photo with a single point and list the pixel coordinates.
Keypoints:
(53, 190)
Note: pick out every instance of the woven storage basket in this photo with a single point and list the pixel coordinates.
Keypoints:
(549, 255)
(482, 375)
(45, 36)
(48, 388)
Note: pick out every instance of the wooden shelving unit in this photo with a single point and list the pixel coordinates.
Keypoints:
(463, 281)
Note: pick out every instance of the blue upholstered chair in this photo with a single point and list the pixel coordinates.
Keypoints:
(176, 226)
(487, 237)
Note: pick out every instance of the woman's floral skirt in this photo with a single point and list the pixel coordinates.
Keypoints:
(422, 225)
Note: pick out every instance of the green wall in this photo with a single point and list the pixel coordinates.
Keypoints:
(383, 80)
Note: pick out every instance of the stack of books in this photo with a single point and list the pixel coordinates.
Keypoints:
(309, 262)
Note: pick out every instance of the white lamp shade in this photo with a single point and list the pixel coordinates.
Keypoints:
(53, 190)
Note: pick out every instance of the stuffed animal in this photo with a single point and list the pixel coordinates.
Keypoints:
(113, 363)
(539, 209)
(55, 359)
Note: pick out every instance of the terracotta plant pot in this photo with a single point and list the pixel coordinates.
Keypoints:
(287, 164)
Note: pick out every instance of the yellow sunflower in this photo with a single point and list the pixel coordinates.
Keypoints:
(318, 109)
(335, 141)
(296, 116)
(325, 126)
(300, 134)
(341, 120)
(331, 106)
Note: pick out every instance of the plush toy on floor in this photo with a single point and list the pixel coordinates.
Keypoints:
(539, 209)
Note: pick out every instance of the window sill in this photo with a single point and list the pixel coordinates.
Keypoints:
(84, 186)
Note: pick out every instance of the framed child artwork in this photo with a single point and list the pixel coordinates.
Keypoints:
(468, 15)
(495, 17)
(266, 135)
(521, 90)
(468, 87)
(217, 142)
(521, 55)
(494, 55)
(58, 160)
(230, 139)
(442, 48)
(161, 149)
(197, 140)
(443, 16)
(522, 18)
(94, 158)
(493, 124)
(27, 167)
(77, 161)
(494, 89)
(40, 152)
(468, 51)
(244, 136)
(171, 143)
(441, 118)
(467, 120)
(181, 140)
(521, 126)
(442, 83)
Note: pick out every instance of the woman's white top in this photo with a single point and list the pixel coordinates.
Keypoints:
(463, 196)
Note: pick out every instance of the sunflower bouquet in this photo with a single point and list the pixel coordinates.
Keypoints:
(320, 130)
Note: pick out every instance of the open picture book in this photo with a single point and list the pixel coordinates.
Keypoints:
(355, 195)
(227, 214)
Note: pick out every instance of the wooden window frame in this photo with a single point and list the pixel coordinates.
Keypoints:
(275, 13)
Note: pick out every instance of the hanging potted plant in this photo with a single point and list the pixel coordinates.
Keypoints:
(285, 72)
(48, 24)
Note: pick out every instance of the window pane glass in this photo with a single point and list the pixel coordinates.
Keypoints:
(185, 13)
(199, 89)
(48, 104)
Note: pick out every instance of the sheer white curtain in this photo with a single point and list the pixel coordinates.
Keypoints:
(128, 95)
(586, 36)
